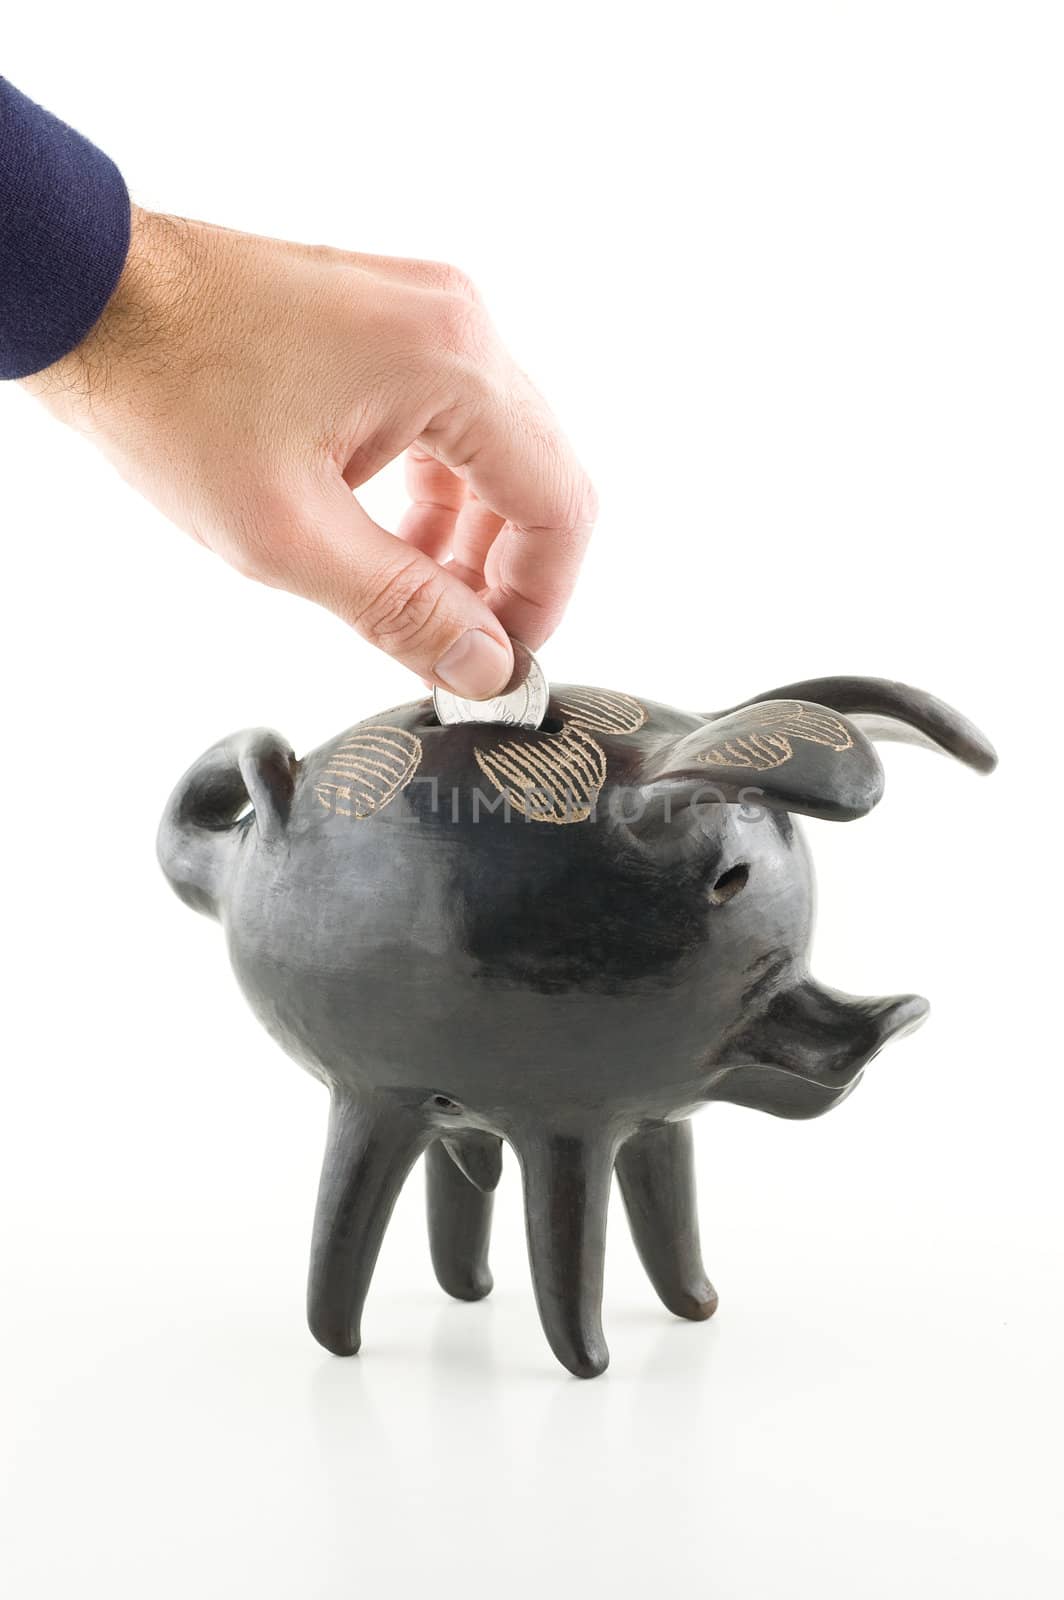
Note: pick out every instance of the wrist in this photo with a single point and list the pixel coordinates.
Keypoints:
(132, 327)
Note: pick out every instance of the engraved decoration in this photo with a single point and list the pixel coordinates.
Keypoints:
(602, 712)
(774, 725)
(556, 777)
(550, 777)
(368, 770)
(553, 777)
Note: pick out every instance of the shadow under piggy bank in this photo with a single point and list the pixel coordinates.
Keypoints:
(569, 938)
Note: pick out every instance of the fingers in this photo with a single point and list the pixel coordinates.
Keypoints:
(394, 594)
(445, 519)
(493, 481)
(436, 500)
(519, 463)
(475, 531)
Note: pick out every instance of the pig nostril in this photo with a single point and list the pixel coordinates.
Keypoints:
(729, 884)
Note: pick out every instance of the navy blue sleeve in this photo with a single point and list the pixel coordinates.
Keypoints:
(64, 235)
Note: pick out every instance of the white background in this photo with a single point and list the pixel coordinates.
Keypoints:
(791, 275)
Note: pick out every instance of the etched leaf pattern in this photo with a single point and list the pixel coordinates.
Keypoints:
(546, 777)
(601, 711)
(772, 727)
(551, 777)
(368, 770)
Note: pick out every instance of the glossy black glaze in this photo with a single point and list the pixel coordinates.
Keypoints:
(569, 939)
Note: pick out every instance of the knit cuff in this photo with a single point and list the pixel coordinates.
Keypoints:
(64, 235)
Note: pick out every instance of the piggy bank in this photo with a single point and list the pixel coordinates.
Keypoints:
(570, 938)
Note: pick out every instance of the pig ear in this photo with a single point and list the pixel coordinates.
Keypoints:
(886, 710)
(251, 772)
(784, 755)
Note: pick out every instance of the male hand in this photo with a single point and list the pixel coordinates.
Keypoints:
(247, 386)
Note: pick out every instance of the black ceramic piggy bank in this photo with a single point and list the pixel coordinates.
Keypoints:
(568, 938)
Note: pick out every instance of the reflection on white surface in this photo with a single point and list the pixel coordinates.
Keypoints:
(171, 1432)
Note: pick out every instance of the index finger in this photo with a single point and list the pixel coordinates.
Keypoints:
(522, 466)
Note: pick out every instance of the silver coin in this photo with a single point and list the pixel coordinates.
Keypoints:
(522, 704)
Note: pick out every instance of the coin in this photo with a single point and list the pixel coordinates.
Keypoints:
(522, 704)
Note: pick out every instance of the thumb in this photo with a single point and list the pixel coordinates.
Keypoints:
(398, 598)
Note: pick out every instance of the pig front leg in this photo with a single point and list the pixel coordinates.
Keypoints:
(371, 1147)
(567, 1180)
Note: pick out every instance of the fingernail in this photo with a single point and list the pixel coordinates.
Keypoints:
(476, 666)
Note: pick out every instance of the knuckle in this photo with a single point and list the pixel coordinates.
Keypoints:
(578, 504)
(587, 504)
(452, 280)
(252, 561)
(458, 324)
(574, 513)
(438, 276)
(257, 530)
(249, 551)
(264, 532)
(405, 603)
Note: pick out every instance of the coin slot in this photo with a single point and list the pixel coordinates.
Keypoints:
(551, 725)
(729, 884)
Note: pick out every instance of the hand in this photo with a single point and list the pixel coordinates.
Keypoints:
(247, 386)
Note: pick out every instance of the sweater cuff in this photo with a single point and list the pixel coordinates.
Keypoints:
(64, 235)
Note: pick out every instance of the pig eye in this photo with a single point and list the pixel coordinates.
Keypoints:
(729, 884)
(442, 1102)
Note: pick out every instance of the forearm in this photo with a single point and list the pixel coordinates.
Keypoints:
(64, 235)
